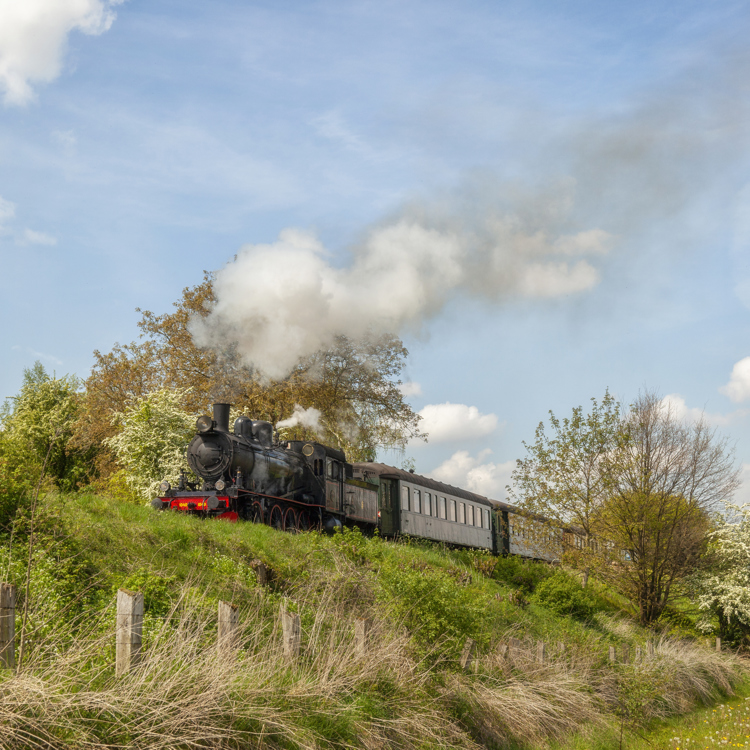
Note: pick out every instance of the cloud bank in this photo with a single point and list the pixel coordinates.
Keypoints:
(738, 387)
(33, 39)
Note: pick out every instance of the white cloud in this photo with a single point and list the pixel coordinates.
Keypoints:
(679, 408)
(410, 389)
(7, 211)
(33, 38)
(30, 237)
(471, 473)
(738, 387)
(455, 422)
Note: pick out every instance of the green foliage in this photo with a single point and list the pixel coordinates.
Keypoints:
(36, 426)
(564, 595)
(150, 446)
(526, 575)
(438, 609)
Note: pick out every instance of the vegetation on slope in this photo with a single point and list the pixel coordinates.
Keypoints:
(406, 691)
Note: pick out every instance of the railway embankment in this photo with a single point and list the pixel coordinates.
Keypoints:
(460, 649)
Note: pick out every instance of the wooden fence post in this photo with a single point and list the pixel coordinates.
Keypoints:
(718, 643)
(129, 630)
(503, 651)
(638, 654)
(467, 655)
(229, 620)
(261, 572)
(626, 654)
(612, 655)
(541, 652)
(362, 627)
(650, 648)
(514, 646)
(7, 625)
(291, 632)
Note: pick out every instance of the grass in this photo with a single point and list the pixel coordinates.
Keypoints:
(406, 691)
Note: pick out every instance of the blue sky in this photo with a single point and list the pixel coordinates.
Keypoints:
(595, 155)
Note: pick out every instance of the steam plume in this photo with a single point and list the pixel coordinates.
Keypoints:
(304, 417)
(284, 301)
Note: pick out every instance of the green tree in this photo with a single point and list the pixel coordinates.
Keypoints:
(151, 442)
(564, 475)
(665, 481)
(43, 414)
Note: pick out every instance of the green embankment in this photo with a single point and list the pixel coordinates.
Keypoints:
(406, 690)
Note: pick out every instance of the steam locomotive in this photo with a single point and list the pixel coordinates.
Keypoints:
(297, 485)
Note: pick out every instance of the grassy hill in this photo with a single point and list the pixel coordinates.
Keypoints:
(407, 690)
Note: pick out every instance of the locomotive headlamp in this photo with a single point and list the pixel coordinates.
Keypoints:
(220, 484)
(165, 486)
(204, 423)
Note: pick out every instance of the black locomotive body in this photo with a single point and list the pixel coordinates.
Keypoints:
(246, 474)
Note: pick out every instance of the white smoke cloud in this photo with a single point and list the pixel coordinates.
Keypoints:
(455, 422)
(33, 38)
(738, 387)
(476, 474)
(284, 301)
(410, 389)
(304, 417)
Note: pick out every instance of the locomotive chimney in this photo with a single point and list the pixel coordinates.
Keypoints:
(221, 417)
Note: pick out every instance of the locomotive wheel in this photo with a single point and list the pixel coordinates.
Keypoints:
(290, 520)
(276, 518)
(256, 513)
(303, 521)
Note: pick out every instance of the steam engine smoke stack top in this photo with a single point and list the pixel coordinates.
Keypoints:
(221, 417)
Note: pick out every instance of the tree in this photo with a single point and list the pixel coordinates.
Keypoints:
(150, 445)
(563, 476)
(641, 485)
(354, 385)
(665, 480)
(722, 589)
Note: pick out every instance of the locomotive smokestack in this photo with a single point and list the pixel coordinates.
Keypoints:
(221, 417)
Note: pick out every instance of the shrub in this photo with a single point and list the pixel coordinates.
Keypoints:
(524, 575)
(564, 595)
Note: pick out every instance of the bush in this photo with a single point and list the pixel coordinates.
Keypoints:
(564, 595)
(523, 575)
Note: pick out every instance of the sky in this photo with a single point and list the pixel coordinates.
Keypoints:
(545, 200)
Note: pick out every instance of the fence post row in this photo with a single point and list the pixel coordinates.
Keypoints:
(229, 620)
(650, 649)
(7, 625)
(129, 630)
(612, 655)
(638, 654)
(291, 632)
(718, 643)
(541, 652)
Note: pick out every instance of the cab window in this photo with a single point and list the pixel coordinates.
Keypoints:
(333, 470)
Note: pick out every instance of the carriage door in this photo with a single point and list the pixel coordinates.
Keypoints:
(334, 485)
(388, 507)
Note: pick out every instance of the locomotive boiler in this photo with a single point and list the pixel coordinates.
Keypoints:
(247, 473)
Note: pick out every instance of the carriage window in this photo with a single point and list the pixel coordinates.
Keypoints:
(405, 505)
(442, 508)
(462, 512)
(470, 520)
(427, 504)
(453, 510)
(417, 501)
(486, 519)
(479, 517)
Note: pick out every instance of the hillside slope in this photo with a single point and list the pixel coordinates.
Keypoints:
(406, 690)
